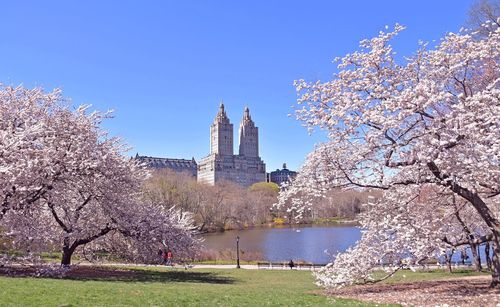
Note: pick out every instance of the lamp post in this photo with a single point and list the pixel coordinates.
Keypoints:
(237, 252)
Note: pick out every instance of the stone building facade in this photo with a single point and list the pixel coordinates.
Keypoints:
(245, 168)
(281, 176)
(177, 165)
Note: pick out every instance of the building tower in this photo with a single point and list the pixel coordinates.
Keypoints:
(249, 136)
(221, 134)
(245, 168)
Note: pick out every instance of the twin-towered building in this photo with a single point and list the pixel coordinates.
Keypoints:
(245, 168)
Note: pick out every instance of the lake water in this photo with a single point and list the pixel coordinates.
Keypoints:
(310, 243)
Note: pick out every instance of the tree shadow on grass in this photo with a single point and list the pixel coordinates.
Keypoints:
(97, 273)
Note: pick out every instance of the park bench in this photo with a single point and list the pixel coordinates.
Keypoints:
(284, 265)
(272, 265)
(300, 266)
(263, 265)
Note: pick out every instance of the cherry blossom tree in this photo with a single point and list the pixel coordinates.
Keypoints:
(27, 169)
(406, 229)
(432, 119)
(153, 228)
(66, 183)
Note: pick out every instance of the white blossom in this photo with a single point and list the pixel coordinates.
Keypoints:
(429, 123)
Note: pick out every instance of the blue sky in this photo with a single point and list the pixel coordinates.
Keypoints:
(164, 66)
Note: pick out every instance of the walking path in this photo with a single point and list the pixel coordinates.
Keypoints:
(254, 266)
(215, 266)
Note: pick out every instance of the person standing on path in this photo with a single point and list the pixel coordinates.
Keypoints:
(169, 258)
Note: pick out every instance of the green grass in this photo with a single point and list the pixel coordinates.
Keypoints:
(405, 276)
(332, 220)
(172, 287)
(160, 286)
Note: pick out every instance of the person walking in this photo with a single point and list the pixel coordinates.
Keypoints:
(165, 257)
(160, 256)
(169, 258)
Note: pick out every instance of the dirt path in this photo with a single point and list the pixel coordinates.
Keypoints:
(465, 291)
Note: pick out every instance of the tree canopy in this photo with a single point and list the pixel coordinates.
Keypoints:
(64, 182)
(427, 125)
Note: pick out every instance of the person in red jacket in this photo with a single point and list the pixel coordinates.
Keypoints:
(169, 257)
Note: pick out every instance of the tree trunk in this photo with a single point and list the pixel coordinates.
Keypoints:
(485, 213)
(479, 257)
(487, 255)
(448, 262)
(495, 281)
(66, 257)
(67, 252)
(475, 257)
(69, 249)
(447, 258)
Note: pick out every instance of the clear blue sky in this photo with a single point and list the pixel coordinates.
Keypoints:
(163, 66)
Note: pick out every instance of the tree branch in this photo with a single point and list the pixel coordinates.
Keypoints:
(58, 220)
(101, 233)
(479, 240)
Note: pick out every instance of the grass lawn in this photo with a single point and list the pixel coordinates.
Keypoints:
(407, 276)
(159, 286)
(171, 287)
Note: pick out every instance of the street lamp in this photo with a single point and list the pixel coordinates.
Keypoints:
(237, 252)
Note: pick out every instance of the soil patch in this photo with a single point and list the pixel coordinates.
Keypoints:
(466, 291)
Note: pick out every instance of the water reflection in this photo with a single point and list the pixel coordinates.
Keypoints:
(299, 243)
(282, 244)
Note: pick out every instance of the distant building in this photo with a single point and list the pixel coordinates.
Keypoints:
(281, 176)
(247, 167)
(177, 165)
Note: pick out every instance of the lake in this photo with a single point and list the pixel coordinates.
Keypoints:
(312, 243)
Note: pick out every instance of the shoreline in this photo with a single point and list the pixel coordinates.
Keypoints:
(270, 225)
